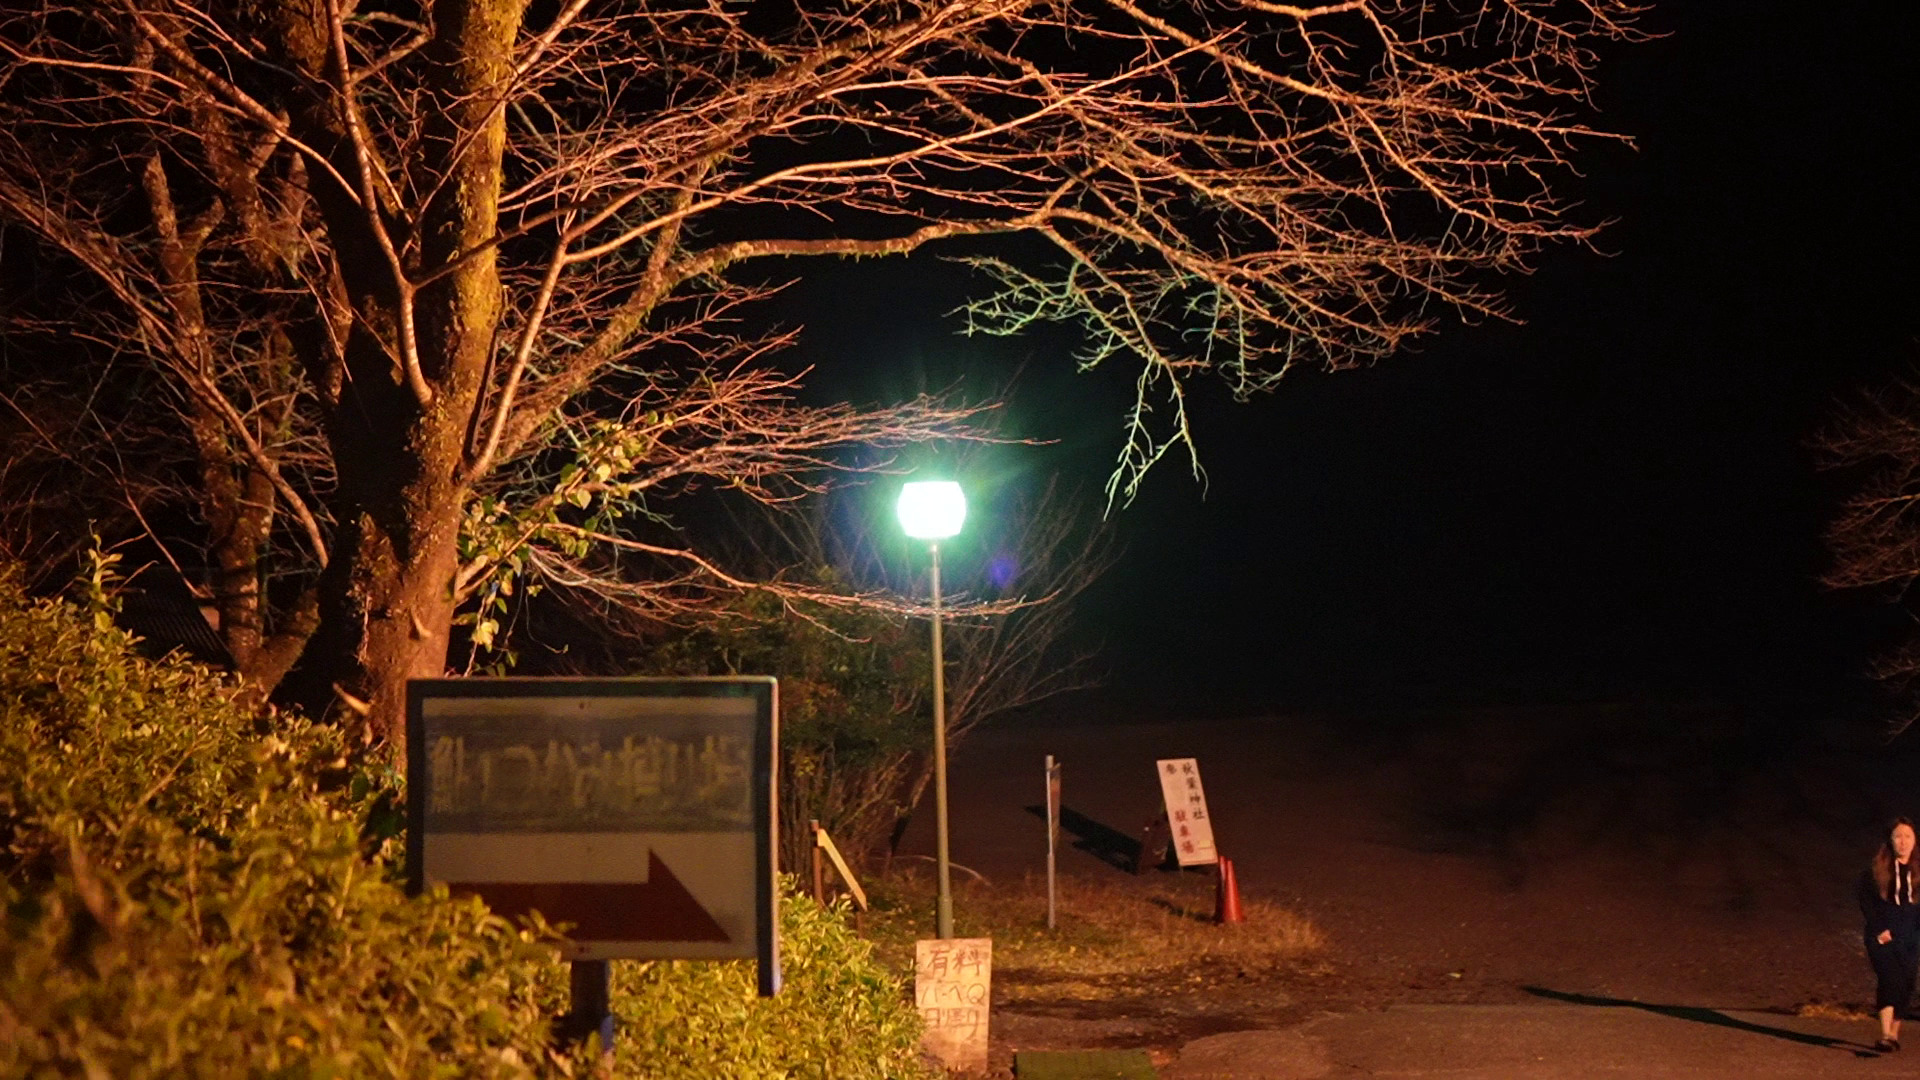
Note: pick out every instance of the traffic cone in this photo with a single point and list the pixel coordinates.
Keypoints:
(1226, 903)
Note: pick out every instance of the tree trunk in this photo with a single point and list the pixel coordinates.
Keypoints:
(386, 608)
(387, 603)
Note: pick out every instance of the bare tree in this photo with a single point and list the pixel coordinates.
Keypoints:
(857, 684)
(1009, 600)
(393, 264)
(999, 665)
(1874, 539)
(1032, 654)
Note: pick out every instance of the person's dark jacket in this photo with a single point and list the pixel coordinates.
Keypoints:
(1881, 913)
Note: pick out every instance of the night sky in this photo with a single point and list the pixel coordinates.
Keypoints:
(1613, 501)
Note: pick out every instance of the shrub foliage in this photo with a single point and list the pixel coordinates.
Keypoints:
(842, 1015)
(185, 895)
(190, 888)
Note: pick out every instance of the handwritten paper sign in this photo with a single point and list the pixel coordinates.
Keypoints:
(952, 984)
(1187, 811)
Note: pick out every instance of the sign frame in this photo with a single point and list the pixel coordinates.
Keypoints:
(762, 690)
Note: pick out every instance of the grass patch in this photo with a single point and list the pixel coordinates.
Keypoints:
(1112, 932)
(1818, 1009)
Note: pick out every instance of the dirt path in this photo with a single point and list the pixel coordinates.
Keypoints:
(1486, 858)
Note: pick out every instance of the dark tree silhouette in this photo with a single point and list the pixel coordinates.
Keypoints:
(1874, 538)
(433, 300)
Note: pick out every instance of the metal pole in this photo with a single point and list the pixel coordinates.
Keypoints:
(943, 908)
(591, 984)
(1053, 817)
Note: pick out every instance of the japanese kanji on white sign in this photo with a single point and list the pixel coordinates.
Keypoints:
(1187, 817)
(953, 984)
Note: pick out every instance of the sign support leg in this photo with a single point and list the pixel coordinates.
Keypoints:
(591, 984)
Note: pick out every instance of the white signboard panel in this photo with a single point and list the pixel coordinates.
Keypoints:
(639, 811)
(952, 988)
(1187, 817)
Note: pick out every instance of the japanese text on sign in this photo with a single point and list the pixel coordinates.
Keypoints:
(571, 765)
(1187, 817)
(953, 983)
(638, 813)
(583, 782)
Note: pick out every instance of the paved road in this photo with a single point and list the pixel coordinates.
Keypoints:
(1544, 1042)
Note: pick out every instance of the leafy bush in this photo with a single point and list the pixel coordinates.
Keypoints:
(186, 889)
(842, 1015)
(182, 896)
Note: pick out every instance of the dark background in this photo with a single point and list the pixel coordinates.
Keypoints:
(1614, 501)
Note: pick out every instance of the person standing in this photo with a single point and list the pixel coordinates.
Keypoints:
(1889, 903)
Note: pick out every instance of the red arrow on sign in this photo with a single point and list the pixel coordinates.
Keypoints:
(660, 909)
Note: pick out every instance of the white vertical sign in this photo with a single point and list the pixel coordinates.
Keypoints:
(1187, 816)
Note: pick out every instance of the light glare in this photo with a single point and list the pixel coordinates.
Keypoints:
(932, 509)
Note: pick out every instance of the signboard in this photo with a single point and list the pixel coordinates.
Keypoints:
(1187, 811)
(952, 986)
(640, 811)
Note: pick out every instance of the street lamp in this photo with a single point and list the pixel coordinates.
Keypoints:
(933, 510)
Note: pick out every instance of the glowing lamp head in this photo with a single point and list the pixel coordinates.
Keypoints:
(932, 509)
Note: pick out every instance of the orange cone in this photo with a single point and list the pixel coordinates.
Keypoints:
(1226, 904)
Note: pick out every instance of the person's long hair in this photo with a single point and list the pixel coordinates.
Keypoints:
(1884, 859)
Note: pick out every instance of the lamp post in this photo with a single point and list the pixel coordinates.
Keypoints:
(933, 510)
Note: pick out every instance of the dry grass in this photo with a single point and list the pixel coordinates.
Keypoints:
(1831, 1010)
(1112, 932)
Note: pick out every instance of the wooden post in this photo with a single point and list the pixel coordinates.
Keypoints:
(823, 842)
(819, 871)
